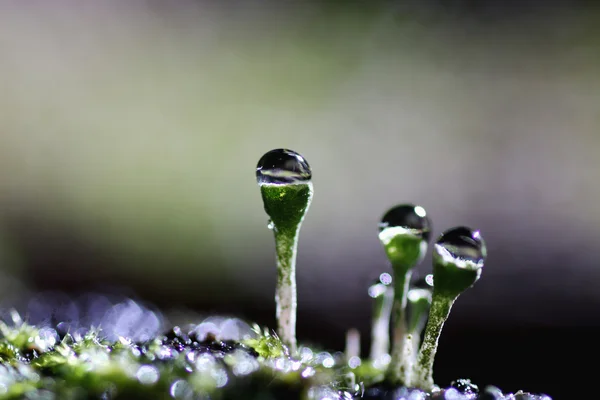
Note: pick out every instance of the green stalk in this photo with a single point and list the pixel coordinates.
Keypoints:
(380, 326)
(286, 204)
(423, 371)
(397, 372)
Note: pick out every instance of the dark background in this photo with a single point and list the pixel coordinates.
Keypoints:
(129, 134)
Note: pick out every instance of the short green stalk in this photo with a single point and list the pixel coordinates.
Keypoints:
(383, 299)
(419, 303)
(286, 205)
(457, 263)
(423, 369)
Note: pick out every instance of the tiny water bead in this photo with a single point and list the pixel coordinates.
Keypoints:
(284, 180)
(282, 166)
(462, 246)
(405, 219)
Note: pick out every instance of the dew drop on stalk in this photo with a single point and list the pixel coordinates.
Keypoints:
(284, 178)
(462, 247)
(281, 167)
(405, 219)
(404, 231)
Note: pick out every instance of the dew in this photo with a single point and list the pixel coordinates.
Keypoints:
(405, 219)
(220, 377)
(180, 389)
(147, 375)
(306, 354)
(281, 167)
(308, 372)
(241, 363)
(325, 359)
(453, 394)
(429, 279)
(354, 362)
(328, 362)
(462, 247)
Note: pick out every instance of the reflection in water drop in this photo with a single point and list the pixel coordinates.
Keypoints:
(405, 219)
(462, 247)
(282, 166)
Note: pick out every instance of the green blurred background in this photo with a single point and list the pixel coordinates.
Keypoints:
(130, 131)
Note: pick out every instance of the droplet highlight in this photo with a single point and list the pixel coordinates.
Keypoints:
(282, 167)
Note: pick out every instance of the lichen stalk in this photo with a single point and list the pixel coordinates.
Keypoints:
(286, 246)
(286, 205)
(380, 326)
(396, 372)
(423, 369)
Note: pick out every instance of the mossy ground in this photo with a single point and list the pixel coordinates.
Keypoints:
(36, 363)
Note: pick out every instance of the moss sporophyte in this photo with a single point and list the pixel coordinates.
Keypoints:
(225, 358)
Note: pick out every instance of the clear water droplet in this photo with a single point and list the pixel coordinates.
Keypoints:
(406, 219)
(429, 279)
(462, 247)
(282, 167)
(271, 225)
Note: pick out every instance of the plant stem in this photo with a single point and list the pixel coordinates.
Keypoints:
(423, 369)
(286, 205)
(380, 327)
(286, 244)
(397, 373)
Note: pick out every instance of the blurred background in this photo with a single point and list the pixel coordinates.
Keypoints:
(130, 132)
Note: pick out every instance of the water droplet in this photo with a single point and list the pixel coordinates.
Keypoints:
(271, 225)
(465, 386)
(404, 231)
(462, 247)
(429, 279)
(281, 167)
(354, 362)
(385, 278)
(405, 219)
(180, 389)
(147, 374)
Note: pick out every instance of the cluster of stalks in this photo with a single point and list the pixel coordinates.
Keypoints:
(284, 178)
